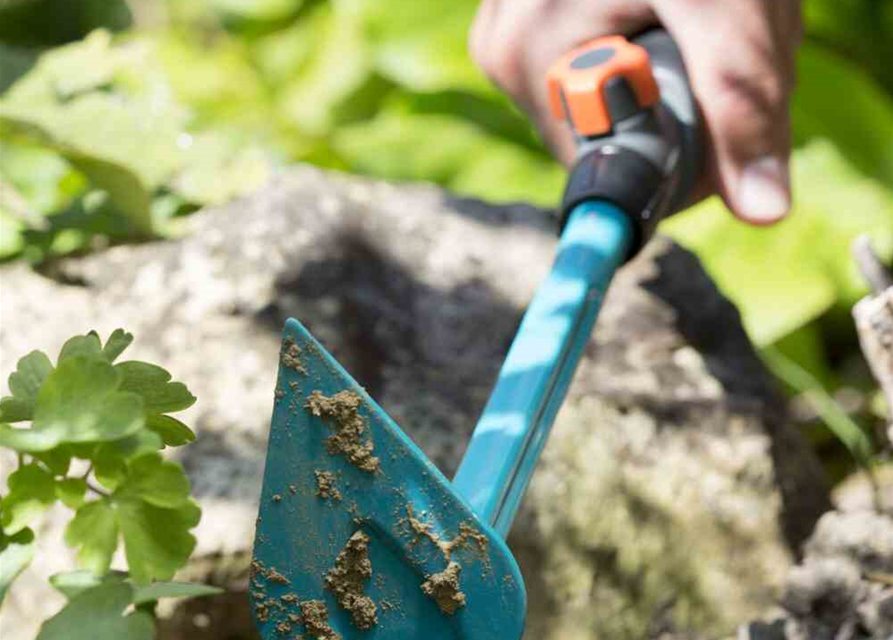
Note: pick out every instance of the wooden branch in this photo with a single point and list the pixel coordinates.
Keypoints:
(874, 320)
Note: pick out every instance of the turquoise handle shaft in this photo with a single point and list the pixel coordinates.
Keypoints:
(535, 376)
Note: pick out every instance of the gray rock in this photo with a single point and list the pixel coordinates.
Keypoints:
(672, 495)
(843, 588)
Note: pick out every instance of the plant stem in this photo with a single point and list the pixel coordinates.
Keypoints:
(89, 470)
(92, 487)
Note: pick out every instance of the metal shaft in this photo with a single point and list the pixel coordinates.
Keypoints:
(534, 379)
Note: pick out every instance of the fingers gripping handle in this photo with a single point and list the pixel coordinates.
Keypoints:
(638, 131)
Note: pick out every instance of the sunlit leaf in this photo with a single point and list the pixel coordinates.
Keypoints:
(32, 490)
(16, 553)
(784, 276)
(24, 383)
(94, 530)
(101, 610)
(78, 402)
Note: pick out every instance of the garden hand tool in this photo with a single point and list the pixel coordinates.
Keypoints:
(359, 535)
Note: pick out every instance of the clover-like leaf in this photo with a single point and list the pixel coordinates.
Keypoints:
(94, 529)
(159, 482)
(24, 383)
(32, 490)
(116, 344)
(157, 541)
(80, 401)
(71, 492)
(153, 383)
(101, 610)
(173, 432)
(86, 345)
(16, 553)
(57, 459)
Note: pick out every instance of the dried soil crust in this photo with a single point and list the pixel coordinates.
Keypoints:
(315, 616)
(341, 412)
(443, 588)
(347, 578)
(291, 356)
(325, 486)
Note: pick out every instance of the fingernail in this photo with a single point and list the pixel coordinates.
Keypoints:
(762, 195)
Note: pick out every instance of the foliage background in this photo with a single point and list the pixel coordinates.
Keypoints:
(115, 135)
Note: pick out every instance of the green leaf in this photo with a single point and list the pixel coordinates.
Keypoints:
(73, 583)
(71, 492)
(87, 345)
(861, 126)
(153, 384)
(832, 204)
(98, 613)
(157, 541)
(158, 590)
(116, 344)
(173, 432)
(108, 110)
(260, 10)
(57, 459)
(32, 490)
(140, 443)
(844, 428)
(79, 402)
(16, 553)
(95, 530)
(154, 480)
(24, 384)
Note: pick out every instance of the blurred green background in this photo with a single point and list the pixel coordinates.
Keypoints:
(120, 117)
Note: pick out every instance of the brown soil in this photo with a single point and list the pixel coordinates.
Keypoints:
(315, 616)
(346, 579)
(325, 485)
(291, 356)
(341, 413)
(443, 587)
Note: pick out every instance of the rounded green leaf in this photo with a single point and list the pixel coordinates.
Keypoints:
(173, 432)
(95, 530)
(153, 384)
(16, 553)
(79, 402)
(24, 383)
(97, 614)
(31, 492)
(154, 480)
(157, 541)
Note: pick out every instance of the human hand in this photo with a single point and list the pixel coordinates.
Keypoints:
(740, 59)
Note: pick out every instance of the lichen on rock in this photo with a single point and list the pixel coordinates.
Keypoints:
(341, 412)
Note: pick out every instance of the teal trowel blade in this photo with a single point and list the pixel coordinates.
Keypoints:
(404, 508)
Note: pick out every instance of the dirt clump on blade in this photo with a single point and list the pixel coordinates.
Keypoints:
(341, 412)
(315, 616)
(346, 579)
(443, 588)
(291, 356)
(325, 485)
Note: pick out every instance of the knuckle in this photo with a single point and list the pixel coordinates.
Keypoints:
(741, 91)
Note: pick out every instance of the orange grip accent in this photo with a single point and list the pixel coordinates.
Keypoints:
(576, 94)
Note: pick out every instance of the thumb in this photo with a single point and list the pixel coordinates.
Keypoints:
(742, 75)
